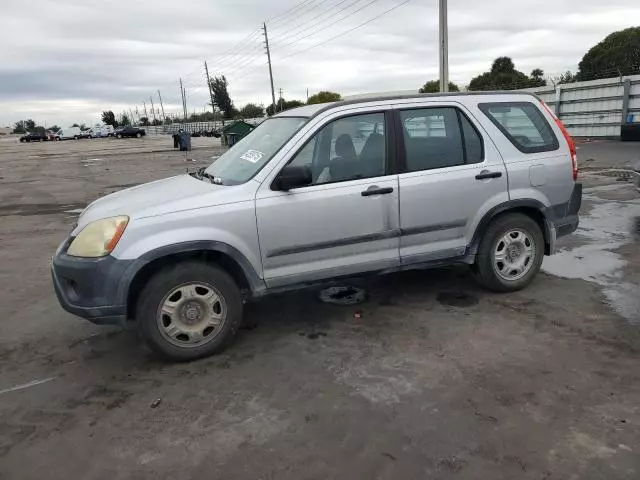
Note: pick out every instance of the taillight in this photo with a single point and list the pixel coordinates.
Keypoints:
(572, 145)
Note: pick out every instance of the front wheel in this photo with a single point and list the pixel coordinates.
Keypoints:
(138, 135)
(189, 310)
(119, 136)
(510, 253)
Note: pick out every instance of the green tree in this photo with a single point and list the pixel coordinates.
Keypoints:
(156, 122)
(109, 118)
(144, 121)
(433, 86)
(75, 125)
(251, 110)
(54, 128)
(283, 105)
(221, 97)
(124, 120)
(39, 129)
(19, 127)
(504, 76)
(566, 77)
(617, 54)
(83, 127)
(324, 97)
(24, 126)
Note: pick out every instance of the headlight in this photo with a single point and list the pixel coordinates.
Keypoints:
(98, 238)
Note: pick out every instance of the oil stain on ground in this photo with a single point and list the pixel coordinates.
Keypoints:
(26, 210)
(456, 299)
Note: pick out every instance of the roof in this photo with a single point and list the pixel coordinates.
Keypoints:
(310, 111)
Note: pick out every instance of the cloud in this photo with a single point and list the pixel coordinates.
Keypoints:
(65, 61)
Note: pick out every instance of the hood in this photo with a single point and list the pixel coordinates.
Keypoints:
(156, 198)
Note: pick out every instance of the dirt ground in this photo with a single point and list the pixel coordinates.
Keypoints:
(436, 378)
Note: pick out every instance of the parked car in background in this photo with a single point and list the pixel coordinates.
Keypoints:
(636, 171)
(68, 133)
(86, 133)
(129, 132)
(33, 137)
(313, 194)
(99, 131)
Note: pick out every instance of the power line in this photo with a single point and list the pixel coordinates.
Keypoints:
(304, 14)
(287, 13)
(333, 23)
(345, 32)
(288, 34)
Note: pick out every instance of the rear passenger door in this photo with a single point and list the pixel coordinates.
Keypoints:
(450, 175)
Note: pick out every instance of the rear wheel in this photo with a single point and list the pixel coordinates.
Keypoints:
(138, 135)
(189, 310)
(119, 136)
(75, 137)
(510, 253)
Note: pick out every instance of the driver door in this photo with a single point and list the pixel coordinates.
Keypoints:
(347, 220)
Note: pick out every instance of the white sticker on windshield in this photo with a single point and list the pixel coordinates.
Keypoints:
(252, 156)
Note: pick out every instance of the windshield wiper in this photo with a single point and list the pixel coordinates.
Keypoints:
(203, 174)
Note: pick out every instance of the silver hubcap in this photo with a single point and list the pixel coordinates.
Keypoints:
(514, 255)
(191, 315)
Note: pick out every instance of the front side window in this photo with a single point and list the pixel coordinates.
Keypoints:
(523, 124)
(349, 148)
(241, 162)
(439, 138)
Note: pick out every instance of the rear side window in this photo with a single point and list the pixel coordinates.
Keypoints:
(439, 138)
(523, 124)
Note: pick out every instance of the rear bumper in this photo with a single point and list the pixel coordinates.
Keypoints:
(91, 287)
(569, 222)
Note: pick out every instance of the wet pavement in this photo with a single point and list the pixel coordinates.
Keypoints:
(429, 377)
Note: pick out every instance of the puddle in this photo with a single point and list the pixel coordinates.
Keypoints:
(608, 226)
(343, 295)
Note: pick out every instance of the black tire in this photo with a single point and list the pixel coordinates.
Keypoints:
(22, 140)
(57, 139)
(76, 137)
(154, 292)
(483, 268)
(119, 136)
(138, 135)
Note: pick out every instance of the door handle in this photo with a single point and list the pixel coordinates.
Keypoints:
(484, 174)
(375, 190)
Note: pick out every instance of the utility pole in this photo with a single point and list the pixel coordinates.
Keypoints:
(213, 107)
(444, 47)
(132, 117)
(184, 102)
(266, 42)
(280, 102)
(184, 92)
(144, 104)
(153, 109)
(161, 106)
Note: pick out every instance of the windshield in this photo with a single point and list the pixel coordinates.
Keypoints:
(249, 155)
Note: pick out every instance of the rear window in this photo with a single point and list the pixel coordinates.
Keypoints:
(523, 124)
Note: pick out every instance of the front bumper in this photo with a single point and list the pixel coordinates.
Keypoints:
(91, 288)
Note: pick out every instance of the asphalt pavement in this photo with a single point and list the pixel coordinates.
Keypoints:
(431, 377)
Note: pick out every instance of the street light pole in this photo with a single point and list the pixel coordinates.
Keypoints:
(444, 48)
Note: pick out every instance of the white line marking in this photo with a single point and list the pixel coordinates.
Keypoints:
(26, 385)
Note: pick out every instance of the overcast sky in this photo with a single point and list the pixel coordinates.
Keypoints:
(65, 61)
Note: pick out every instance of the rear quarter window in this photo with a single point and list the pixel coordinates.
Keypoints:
(523, 124)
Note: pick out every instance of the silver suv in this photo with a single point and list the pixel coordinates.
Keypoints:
(321, 192)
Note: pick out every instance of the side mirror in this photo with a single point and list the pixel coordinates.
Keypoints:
(293, 176)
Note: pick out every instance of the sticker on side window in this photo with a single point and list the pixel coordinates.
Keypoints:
(252, 156)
